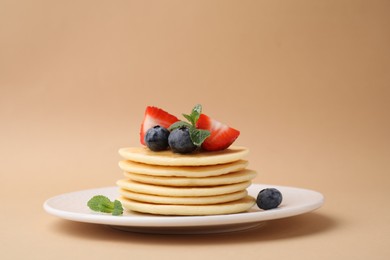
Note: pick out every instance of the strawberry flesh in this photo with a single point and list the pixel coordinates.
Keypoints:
(155, 116)
(221, 135)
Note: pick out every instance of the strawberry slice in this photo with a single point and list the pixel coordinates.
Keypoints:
(155, 116)
(221, 135)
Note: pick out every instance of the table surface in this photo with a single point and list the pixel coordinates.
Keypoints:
(305, 82)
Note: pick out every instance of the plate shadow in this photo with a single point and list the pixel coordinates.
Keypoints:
(303, 225)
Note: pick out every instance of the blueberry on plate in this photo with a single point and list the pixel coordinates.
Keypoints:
(156, 138)
(180, 142)
(269, 198)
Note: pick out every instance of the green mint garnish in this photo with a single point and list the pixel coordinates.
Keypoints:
(194, 116)
(179, 124)
(101, 203)
(118, 209)
(197, 135)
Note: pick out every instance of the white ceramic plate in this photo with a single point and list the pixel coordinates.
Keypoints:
(73, 206)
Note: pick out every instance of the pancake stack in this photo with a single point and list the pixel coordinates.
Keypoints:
(201, 183)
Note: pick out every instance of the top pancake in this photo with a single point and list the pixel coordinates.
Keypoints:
(168, 158)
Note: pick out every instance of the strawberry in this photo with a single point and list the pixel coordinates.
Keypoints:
(221, 135)
(155, 116)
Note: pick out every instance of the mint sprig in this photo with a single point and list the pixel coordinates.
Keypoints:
(179, 124)
(101, 203)
(195, 114)
(197, 135)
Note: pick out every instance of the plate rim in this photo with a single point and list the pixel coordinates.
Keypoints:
(184, 221)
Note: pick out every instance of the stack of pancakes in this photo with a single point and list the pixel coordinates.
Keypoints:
(202, 183)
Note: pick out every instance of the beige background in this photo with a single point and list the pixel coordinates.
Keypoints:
(306, 82)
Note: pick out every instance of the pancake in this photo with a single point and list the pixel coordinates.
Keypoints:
(167, 157)
(229, 178)
(236, 206)
(181, 191)
(182, 171)
(183, 200)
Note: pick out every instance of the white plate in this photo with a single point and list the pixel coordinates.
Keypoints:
(73, 206)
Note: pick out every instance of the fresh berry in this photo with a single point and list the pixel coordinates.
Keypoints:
(180, 142)
(156, 138)
(155, 116)
(269, 198)
(221, 135)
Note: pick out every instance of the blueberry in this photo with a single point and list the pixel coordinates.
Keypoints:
(269, 198)
(180, 142)
(156, 138)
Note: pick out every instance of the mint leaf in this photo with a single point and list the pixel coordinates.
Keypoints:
(178, 124)
(194, 116)
(198, 135)
(118, 209)
(101, 203)
(190, 118)
(197, 109)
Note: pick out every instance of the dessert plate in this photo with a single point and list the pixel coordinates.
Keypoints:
(73, 206)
